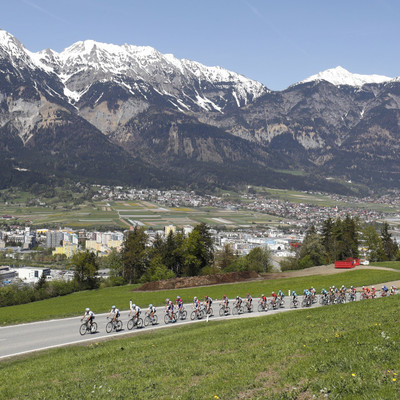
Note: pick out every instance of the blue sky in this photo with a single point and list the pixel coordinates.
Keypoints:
(277, 42)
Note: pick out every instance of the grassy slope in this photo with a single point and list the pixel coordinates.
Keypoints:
(101, 300)
(347, 351)
(387, 264)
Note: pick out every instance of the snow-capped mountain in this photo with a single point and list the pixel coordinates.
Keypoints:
(339, 76)
(129, 114)
(187, 84)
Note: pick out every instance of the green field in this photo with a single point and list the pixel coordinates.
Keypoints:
(387, 264)
(345, 351)
(101, 300)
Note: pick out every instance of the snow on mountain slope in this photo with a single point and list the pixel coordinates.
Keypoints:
(87, 62)
(339, 76)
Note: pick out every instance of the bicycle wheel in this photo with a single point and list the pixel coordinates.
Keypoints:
(130, 324)
(119, 326)
(211, 312)
(147, 321)
(155, 320)
(140, 323)
(184, 314)
(282, 303)
(235, 311)
(221, 312)
(260, 308)
(109, 327)
(166, 318)
(93, 328)
(192, 315)
(82, 329)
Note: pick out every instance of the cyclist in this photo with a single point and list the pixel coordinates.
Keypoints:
(225, 302)
(179, 303)
(273, 298)
(392, 290)
(114, 314)
(249, 300)
(207, 303)
(88, 317)
(135, 310)
(353, 292)
(373, 292)
(196, 304)
(342, 292)
(238, 302)
(263, 301)
(169, 308)
(384, 291)
(307, 296)
(152, 311)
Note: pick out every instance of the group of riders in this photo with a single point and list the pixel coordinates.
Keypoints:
(173, 310)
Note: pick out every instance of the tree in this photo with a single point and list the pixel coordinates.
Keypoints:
(312, 251)
(259, 260)
(134, 255)
(389, 246)
(372, 243)
(113, 262)
(86, 268)
(225, 257)
(197, 250)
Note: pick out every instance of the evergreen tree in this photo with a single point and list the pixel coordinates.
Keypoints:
(134, 255)
(390, 247)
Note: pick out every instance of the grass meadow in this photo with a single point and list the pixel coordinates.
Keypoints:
(101, 300)
(347, 351)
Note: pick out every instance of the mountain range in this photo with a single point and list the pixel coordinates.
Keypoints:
(130, 115)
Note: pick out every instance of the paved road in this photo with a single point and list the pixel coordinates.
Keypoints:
(26, 338)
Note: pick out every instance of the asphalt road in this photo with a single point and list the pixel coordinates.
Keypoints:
(27, 338)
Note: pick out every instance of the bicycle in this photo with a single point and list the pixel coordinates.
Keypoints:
(87, 328)
(182, 313)
(294, 303)
(168, 319)
(148, 319)
(197, 313)
(237, 309)
(262, 306)
(207, 311)
(273, 304)
(113, 325)
(224, 310)
(248, 307)
(307, 302)
(135, 321)
(281, 302)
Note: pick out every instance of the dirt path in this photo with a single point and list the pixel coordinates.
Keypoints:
(321, 270)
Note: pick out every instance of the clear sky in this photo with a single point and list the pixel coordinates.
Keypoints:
(277, 42)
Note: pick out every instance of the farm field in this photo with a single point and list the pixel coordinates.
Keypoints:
(124, 214)
(347, 351)
(101, 300)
